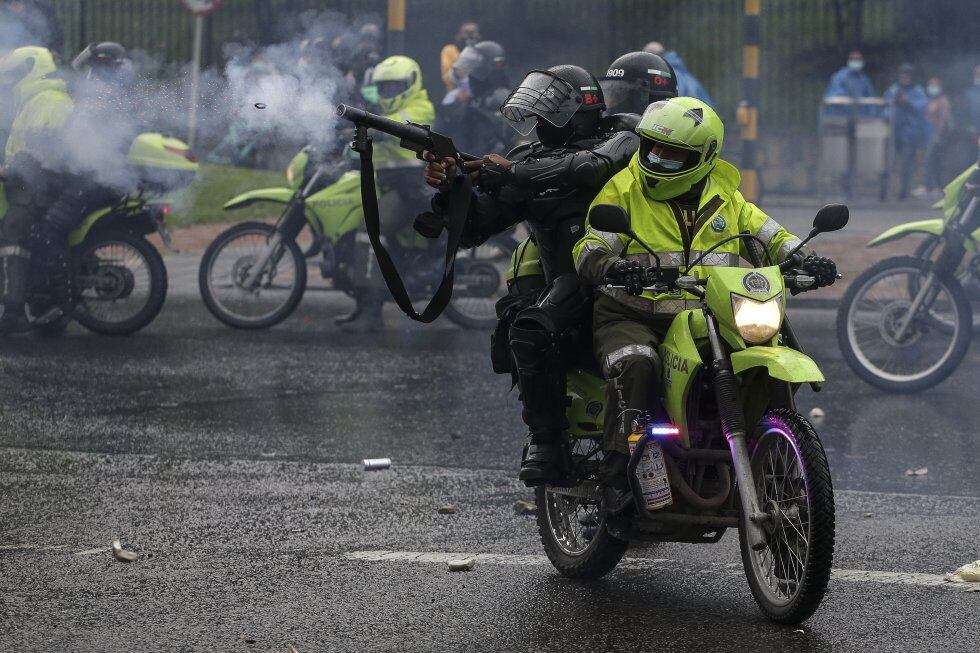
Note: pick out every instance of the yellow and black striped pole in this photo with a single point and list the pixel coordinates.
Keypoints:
(748, 112)
(396, 27)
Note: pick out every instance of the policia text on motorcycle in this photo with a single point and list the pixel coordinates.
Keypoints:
(550, 183)
(682, 200)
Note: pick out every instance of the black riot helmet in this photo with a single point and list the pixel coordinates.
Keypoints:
(559, 103)
(636, 80)
(108, 62)
(480, 61)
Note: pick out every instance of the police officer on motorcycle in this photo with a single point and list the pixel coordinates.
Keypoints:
(549, 183)
(401, 97)
(682, 200)
(33, 168)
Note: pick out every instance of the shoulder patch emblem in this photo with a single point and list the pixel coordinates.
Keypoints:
(719, 224)
(756, 283)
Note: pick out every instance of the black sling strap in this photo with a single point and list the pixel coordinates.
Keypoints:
(459, 204)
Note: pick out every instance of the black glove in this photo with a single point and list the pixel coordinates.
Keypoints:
(492, 176)
(429, 224)
(823, 270)
(630, 274)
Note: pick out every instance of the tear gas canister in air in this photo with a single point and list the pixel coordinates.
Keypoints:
(651, 472)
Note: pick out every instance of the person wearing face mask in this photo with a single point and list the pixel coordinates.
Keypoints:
(851, 82)
(683, 200)
(548, 183)
(909, 125)
(938, 122)
(468, 34)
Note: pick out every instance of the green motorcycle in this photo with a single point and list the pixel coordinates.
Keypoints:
(254, 275)
(736, 453)
(905, 323)
(118, 281)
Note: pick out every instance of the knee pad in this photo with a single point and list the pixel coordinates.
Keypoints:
(565, 301)
(531, 343)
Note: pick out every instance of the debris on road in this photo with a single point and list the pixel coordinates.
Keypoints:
(920, 471)
(869, 515)
(464, 564)
(261, 105)
(817, 416)
(121, 554)
(525, 508)
(248, 639)
(292, 649)
(446, 510)
(455, 436)
(968, 573)
(376, 464)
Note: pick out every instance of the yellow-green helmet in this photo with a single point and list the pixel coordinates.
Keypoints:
(680, 140)
(25, 72)
(397, 79)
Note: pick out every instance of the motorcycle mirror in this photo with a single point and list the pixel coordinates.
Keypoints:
(611, 218)
(832, 217)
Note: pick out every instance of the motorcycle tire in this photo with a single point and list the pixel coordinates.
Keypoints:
(967, 278)
(156, 295)
(961, 334)
(812, 526)
(595, 558)
(268, 319)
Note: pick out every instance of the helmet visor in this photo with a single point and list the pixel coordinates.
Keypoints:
(667, 159)
(391, 88)
(542, 96)
(625, 96)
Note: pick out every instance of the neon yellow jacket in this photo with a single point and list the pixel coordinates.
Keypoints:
(43, 109)
(387, 153)
(722, 212)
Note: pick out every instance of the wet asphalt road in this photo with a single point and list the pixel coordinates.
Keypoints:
(230, 462)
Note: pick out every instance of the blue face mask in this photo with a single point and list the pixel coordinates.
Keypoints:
(855, 65)
(666, 164)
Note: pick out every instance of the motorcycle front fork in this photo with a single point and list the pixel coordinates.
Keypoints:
(290, 224)
(945, 265)
(736, 432)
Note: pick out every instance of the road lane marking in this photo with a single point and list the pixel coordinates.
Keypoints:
(503, 559)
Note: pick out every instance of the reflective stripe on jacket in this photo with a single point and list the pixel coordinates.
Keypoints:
(722, 213)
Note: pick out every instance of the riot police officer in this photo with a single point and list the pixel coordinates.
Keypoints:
(549, 183)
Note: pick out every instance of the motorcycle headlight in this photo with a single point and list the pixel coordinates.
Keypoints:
(757, 322)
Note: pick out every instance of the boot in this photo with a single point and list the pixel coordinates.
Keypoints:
(617, 496)
(547, 460)
(366, 317)
(350, 317)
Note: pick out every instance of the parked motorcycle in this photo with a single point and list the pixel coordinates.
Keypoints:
(118, 281)
(254, 274)
(905, 323)
(736, 453)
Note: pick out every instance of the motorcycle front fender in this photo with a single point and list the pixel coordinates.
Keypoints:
(782, 363)
(933, 227)
(274, 195)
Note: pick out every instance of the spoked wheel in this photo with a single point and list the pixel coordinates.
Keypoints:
(480, 280)
(968, 275)
(229, 285)
(120, 281)
(789, 575)
(572, 527)
(890, 348)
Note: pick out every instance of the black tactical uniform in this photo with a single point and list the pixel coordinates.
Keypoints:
(550, 184)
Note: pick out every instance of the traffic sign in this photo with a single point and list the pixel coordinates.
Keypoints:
(202, 7)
